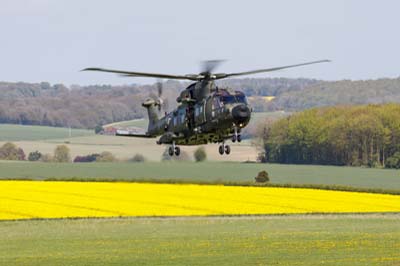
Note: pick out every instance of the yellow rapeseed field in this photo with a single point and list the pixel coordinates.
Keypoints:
(44, 199)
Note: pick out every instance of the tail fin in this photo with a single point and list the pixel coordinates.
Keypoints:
(151, 106)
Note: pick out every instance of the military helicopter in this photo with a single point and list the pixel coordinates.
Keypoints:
(205, 113)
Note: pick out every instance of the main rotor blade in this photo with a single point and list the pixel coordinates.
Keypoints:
(144, 74)
(225, 75)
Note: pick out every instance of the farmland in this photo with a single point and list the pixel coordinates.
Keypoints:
(33, 133)
(30, 199)
(281, 240)
(83, 142)
(284, 238)
(121, 147)
(206, 172)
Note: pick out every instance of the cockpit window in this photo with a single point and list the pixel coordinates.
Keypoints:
(228, 99)
(241, 98)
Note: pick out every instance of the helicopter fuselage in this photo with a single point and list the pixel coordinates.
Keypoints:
(217, 117)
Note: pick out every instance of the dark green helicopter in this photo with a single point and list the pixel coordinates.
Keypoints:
(205, 113)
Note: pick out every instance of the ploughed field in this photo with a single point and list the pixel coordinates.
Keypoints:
(46, 199)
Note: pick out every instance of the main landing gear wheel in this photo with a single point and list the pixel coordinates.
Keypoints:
(177, 151)
(171, 151)
(224, 149)
(239, 138)
(227, 149)
(174, 150)
(221, 149)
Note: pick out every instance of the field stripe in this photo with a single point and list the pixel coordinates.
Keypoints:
(44, 199)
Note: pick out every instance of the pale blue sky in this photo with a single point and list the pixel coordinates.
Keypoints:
(51, 40)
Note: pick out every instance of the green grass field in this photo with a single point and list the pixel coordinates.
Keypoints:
(19, 132)
(276, 240)
(207, 172)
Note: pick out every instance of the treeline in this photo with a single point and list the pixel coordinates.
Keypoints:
(89, 106)
(77, 107)
(344, 135)
(267, 86)
(344, 92)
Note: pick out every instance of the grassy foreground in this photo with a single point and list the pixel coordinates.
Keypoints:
(206, 172)
(281, 240)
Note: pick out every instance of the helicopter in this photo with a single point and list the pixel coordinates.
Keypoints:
(205, 113)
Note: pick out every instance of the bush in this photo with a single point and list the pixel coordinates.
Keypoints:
(200, 154)
(34, 156)
(87, 158)
(62, 154)
(21, 155)
(10, 151)
(106, 156)
(262, 177)
(138, 158)
(46, 158)
(98, 129)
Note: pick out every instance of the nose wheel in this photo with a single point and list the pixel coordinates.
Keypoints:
(236, 136)
(224, 149)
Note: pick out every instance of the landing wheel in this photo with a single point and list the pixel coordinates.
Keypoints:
(171, 151)
(234, 138)
(239, 138)
(221, 149)
(227, 149)
(177, 151)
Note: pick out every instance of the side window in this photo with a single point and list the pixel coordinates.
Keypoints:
(182, 117)
(215, 103)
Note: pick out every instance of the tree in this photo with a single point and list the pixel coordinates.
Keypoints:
(62, 154)
(21, 154)
(367, 135)
(394, 161)
(34, 156)
(10, 151)
(106, 156)
(200, 154)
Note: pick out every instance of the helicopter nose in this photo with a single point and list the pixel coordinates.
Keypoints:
(241, 114)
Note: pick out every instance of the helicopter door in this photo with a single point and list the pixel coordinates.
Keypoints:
(199, 113)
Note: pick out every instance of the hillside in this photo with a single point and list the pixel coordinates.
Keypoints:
(344, 92)
(89, 106)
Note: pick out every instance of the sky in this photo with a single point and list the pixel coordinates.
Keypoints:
(48, 40)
